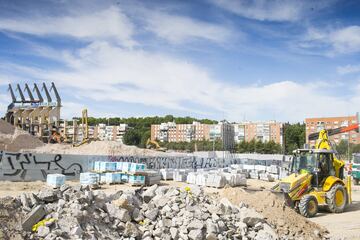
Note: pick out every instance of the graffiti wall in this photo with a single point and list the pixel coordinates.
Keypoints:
(28, 166)
(31, 166)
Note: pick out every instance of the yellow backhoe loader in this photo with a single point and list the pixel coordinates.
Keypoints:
(317, 177)
(152, 144)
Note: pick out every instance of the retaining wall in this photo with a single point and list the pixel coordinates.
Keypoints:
(36, 166)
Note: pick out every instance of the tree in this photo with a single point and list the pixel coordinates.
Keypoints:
(132, 137)
(294, 135)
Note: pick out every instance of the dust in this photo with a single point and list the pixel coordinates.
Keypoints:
(285, 220)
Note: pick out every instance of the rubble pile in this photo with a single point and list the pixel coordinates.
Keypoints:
(159, 212)
(13, 139)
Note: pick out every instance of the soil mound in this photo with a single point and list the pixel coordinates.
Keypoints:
(285, 220)
(14, 140)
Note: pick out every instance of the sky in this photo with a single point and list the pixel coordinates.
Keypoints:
(219, 59)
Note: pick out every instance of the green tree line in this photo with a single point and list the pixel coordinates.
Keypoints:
(139, 132)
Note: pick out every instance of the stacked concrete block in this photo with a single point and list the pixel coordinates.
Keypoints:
(136, 180)
(273, 169)
(254, 175)
(191, 177)
(89, 178)
(235, 179)
(119, 166)
(152, 177)
(112, 178)
(248, 167)
(126, 166)
(260, 168)
(237, 166)
(180, 175)
(136, 168)
(201, 179)
(124, 178)
(55, 180)
(107, 167)
(102, 178)
(167, 174)
(283, 173)
(96, 166)
(215, 180)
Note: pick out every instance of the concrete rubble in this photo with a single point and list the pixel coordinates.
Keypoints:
(159, 212)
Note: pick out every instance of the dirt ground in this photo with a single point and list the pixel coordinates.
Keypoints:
(341, 226)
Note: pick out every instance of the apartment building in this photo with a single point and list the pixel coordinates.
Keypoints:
(172, 132)
(223, 131)
(110, 133)
(260, 131)
(317, 124)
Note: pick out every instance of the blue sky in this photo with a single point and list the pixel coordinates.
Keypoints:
(239, 60)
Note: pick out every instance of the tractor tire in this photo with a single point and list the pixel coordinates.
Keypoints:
(308, 206)
(336, 198)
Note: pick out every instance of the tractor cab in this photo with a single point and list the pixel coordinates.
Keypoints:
(318, 163)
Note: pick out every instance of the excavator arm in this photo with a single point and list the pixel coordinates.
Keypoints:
(323, 142)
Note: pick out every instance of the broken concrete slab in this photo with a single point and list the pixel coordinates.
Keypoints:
(33, 217)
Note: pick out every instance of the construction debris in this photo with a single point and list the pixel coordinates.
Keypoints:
(13, 139)
(156, 213)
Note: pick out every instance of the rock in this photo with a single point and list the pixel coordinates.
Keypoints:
(24, 200)
(48, 195)
(162, 201)
(251, 217)
(211, 236)
(61, 203)
(270, 231)
(131, 230)
(76, 231)
(160, 191)
(262, 234)
(64, 187)
(196, 190)
(195, 224)
(119, 213)
(149, 193)
(152, 214)
(43, 231)
(174, 233)
(212, 227)
(196, 234)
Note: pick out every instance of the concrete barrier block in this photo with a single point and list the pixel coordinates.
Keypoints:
(201, 179)
(254, 175)
(137, 168)
(191, 177)
(89, 178)
(55, 180)
(167, 174)
(107, 166)
(111, 178)
(136, 180)
(215, 180)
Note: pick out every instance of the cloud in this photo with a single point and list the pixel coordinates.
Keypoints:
(348, 69)
(180, 29)
(108, 24)
(102, 73)
(277, 10)
(333, 41)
